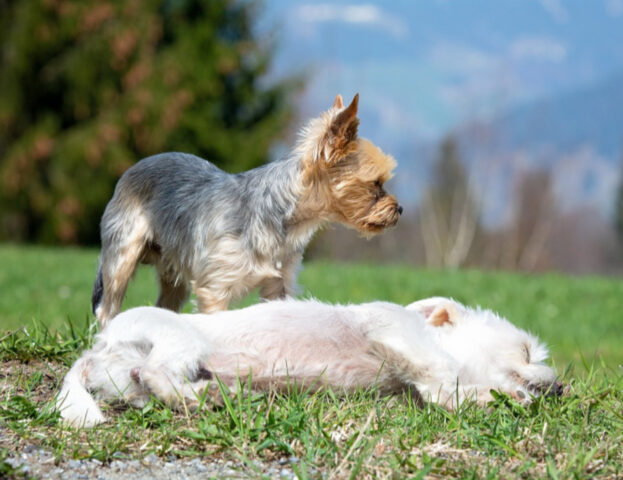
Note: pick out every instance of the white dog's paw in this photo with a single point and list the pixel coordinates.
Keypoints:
(521, 395)
(81, 416)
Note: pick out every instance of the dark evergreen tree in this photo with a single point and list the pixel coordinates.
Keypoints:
(89, 87)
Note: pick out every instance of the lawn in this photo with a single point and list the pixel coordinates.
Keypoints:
(578, 435)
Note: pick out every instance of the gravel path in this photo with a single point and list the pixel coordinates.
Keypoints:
(39, 463)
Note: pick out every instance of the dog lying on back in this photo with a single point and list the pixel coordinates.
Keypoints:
(439, 349)
(227, 234)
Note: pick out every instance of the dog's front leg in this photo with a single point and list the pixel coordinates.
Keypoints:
(272, 288)
(285, 285)
(451, 397)
(210, 300)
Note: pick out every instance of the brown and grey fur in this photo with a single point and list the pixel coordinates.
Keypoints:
(226, 234)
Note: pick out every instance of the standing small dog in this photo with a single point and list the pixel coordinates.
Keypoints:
(441, 350)
(226, 234)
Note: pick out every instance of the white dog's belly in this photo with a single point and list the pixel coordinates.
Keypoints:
(312, 358)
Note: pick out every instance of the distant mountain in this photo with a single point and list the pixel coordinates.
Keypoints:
(577, 136)
(590, 117)
(540, 76)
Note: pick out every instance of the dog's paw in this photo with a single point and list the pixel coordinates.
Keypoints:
(521, 395)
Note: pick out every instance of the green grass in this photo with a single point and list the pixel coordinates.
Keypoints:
(364, 435)
(577, 317)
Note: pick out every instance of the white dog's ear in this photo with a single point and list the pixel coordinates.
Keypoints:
(443, 315)
(438, 311)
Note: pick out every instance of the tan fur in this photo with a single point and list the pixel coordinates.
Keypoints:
(124, 265)
(338, 178)
(344, 178)
(440, 317)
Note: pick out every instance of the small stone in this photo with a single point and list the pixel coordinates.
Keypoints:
(74, 463)
(30, 448)
(198, 465)
(293, 459)
(118, 465)
(151, 459)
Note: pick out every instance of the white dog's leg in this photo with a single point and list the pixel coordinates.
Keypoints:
(430, 372)
(76, 405)
(412, 355)
(173, 375)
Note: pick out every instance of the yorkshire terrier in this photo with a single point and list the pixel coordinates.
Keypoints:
(438, 349)
(226, 234)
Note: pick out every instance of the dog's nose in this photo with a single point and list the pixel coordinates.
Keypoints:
(399, 210)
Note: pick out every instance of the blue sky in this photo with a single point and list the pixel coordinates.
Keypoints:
(423, 67)
(427, 67)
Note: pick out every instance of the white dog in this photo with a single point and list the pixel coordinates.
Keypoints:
(441, 350)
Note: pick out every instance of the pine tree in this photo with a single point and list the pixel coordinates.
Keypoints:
(89, 87)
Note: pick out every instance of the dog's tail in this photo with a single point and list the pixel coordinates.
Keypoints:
(98, 290)
(75, 403)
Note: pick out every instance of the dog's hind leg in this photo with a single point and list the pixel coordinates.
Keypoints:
(172, 368)
(173, 293)
(123, 245)
(211, 300)
(175, 389)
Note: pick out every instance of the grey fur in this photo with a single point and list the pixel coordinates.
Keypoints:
(189, 203)
(223, 234)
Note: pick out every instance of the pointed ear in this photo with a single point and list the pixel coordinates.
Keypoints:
(344, 127)
(338, 102)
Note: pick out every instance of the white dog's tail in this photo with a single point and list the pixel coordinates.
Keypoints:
(77, 406)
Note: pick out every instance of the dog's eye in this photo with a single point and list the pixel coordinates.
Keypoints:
(526, 351)
(378, 184)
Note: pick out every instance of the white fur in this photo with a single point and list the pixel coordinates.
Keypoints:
(150, 351)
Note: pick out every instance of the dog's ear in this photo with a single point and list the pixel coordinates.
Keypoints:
(339, 133)
(443, 315)
(338, 102)
(346, 121)
(343, 129)
(438, 311)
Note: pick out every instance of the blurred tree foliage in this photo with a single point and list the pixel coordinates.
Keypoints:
(618, 210)
(88, 87)
(450, 212)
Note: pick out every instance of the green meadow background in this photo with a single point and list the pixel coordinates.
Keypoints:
(580, 318)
